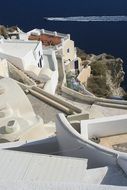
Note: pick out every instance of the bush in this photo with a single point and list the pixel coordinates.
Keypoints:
(97, 85)
(98, 68)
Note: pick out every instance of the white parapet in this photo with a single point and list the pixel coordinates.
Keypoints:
(55, 33)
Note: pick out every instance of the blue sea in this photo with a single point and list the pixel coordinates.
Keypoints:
(94, 35)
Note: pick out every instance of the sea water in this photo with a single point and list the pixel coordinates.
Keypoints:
(96, 26)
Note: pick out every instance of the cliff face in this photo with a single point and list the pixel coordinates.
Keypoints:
(106, 74)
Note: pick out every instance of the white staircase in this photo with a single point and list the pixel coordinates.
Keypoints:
(35, 185)
(37, 171)
(95, 176)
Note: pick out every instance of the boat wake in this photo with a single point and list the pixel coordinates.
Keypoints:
(89, 19)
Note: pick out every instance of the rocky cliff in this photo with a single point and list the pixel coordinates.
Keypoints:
(106, 74)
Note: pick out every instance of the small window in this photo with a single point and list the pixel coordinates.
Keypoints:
(76, 64)
(40, 63)
(68, 50)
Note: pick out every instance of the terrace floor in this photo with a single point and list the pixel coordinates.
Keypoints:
(116, 142)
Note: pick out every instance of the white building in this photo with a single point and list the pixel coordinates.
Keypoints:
(59, 50)
(41, 60)
(61, 43)
(30, 57)
(22, 53)
(50, 70)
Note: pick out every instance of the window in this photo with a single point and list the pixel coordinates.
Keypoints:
(68, 50)
(40, 63)
(76, 64)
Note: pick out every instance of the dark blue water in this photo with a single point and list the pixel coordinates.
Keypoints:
(94, 37)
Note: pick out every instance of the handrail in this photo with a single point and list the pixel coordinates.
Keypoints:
(57, 99)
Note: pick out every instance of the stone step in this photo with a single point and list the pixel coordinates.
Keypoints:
(95, 176)
(32, 185)
(39, 168)
(27, 166)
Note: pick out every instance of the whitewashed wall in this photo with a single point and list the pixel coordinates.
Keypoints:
(28, 60)
(51, 85)
(104, 126)
(50, 62)
(38, 55)
(4, 68)
(72, 144)
(18, 62)
(68, 50)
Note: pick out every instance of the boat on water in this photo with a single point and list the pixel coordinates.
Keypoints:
(45, 18)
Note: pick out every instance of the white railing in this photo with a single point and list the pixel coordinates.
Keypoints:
(54, 33)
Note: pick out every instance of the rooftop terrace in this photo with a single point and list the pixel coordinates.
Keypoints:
(17, 47)
(48, 38)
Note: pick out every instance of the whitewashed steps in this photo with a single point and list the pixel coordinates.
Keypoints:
(95, 176)
(30, 185)
(28, 168)
(115, 176)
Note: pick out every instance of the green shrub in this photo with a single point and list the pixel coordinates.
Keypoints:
(98, 68)
(97, 85)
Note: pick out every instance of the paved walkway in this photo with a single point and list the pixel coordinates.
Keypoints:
(116, 142)
(47, 112)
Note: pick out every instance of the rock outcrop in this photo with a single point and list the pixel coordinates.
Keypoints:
(106, 74)
(4, 31)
